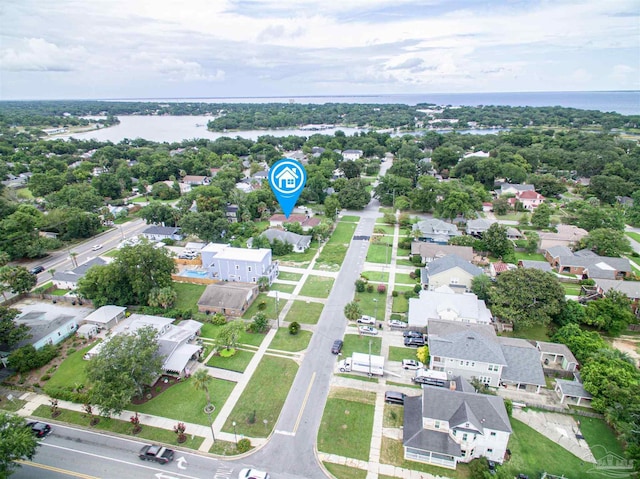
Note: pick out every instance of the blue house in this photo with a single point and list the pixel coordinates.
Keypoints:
(45, 329)
(227, 263)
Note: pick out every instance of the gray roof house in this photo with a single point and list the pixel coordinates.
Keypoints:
(434, 230)
(300, 243)
(478, 226)
(523, 370)
(586, 263)
(630, 288)
(452, 271)
(158, 233)
(431, 251)
(69, 279)
(230, 299)
(541, 265)
(446, 426)
(106, 317)
(514, 188)
(445, 304)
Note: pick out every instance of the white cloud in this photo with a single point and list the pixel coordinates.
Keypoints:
(37, 54)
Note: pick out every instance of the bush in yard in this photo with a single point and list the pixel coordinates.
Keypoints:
(404, 243)
(410, 294)
(394, 293)
(259, 324)
(243, 445)
(370, 288)
(252, 417)
(417, 288)
(412, 275)
(262, 305)
(46, 377)
(27, 357)
(416, 259)
(508, 405)
(294, 328)
(361, 285)
(218, 319)
(179, 429)
(382, 288)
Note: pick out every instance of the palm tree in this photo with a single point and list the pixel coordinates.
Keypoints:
(352, 311)
(201, 382)
(74, 261)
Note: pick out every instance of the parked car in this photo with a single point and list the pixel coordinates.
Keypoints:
(368, 330)
(414, 342)
(394, 397)
(337, 346)
(367, 320)
(396, 323)
(36, 270)
(96, 247)
(40, 429)
(253, 474)
(412, 364)
(412, 334)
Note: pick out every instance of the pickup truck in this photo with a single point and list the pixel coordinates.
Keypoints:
(156, 453)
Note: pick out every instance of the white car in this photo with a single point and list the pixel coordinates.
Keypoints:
(367, 320)
(396, 323)
(96, 247)
(253, 474)
(412, 364)
(368, 330)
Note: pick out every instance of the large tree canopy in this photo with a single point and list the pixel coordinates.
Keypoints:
(16, 442)
(124, 365)
(10, 332)
(527, 297)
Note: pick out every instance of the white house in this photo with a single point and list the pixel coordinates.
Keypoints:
(452, 271)
(445, 304)
(300, 243)
(352, 154)
(106, 317)
(158, 233)
(227, 263)
(454, 424)
(69, 279)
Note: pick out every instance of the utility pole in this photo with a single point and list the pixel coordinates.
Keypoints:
(370, 358)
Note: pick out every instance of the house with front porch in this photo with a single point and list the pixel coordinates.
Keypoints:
(69, 279)
(452, 271)
(300, 243)
(445, 304)
(434, 230)
(446, 426)
(478, 226)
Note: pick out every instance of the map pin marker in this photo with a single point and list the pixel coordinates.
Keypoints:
(287, 178)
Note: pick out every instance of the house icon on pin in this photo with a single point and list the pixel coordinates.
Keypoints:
(287, 178)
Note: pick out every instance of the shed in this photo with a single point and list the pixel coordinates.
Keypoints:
(573, 391)
(87, 331)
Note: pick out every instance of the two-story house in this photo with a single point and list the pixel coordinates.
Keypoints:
(478, 226)
(454, 424)
(445, 304)
(352, 154)
(227, 263)
(513, 188)
(452, 271)
(434, 230)
(530, 200)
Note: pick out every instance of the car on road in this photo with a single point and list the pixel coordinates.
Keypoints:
(367, 320)
(367, 330)
(412, 334)
(96, 247)
(253, 474)
(412, 364)
(337, 346)
(36, 269)
(157, 453)
(414, 342)
(40, 429)
(396, 323)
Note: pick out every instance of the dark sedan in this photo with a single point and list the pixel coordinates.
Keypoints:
(40, 429)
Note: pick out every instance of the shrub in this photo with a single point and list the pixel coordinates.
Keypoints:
(404, 243)
(508, 405)
(252, 417)
(361, 285)
(370, 288)
(417, 288)
(294, 328)
(416, 259)
(412, 275)
(382, 288)
(394, 293)
(409, 294)
(262, 306)
(71, 351)
(259, 324)
(45, 377)
(243, 445)
(218, 319)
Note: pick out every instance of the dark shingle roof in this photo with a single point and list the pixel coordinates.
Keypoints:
(451, 261)
(287, 237)
(415, 436)
(76, 274)
(523, 362)
(161, 230)
(464, 341)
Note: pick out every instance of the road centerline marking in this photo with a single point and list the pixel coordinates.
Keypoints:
(304, 402)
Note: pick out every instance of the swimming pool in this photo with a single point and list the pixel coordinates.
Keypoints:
(192, 273)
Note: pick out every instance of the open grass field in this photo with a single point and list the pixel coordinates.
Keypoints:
(350, 219)
(405, 278)
(347, 423)
(529, 256)
(536, 333)
(379, 253)
(284, 341)
(172, 403)
(288, 276)
(384, 229)
(317, 286)
(393, 415)
(371, 307)
(379, 276)
(571, 289)
(331, 257)
(343, 233)
(188, 295)
(305, 312)
(238, 362)
(354, 343)
(151, 434)
(400, 304)
(263, 398)
(282, 287)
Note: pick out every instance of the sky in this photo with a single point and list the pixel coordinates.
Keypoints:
(107, 49)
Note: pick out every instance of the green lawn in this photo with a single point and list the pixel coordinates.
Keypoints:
(347, 423)
(599, 436)
(299, 259)
(211, 331)
(71, 371)
(287, 276)
(384, 229)
(405, 278)
(270, 309)
(398, 354)
(529, 256)
(343, 233)
(345, 472)
(368, 305)
(284, 341)
(379, 253)
(354, 343)
(238, 362)
(571, 288)
(403, 287)
(393, 415)
(13, 405)
(283, 288)
(350, 219)
(317, 286)
(183, 402)
(537, 333)
(331, 257)
(188, 295)
(59, 292)
(263, 397)
(24, 194)
(305, 312)
(150, 433)
(404, 262)
(111, 254)
(380, 276)
(634, 236)
(400, 304)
